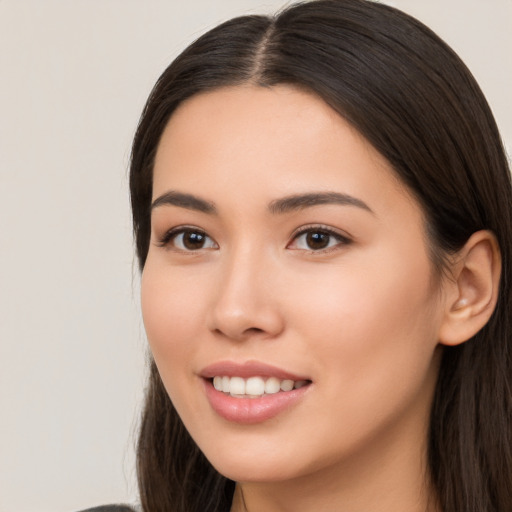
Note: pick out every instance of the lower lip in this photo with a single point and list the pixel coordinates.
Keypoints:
(252, 410)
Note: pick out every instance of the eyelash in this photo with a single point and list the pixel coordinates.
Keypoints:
(324, 230)
(173, 234)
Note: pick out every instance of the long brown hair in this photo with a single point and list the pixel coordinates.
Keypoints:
(414, 100)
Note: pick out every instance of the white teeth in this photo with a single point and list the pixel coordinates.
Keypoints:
(272, 385)
(217, 383)
(254, 387)
(287, 385)
(237, 386)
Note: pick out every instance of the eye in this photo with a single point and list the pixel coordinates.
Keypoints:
(317, 239)
(187, 239)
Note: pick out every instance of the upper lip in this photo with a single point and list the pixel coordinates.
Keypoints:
(248, 369)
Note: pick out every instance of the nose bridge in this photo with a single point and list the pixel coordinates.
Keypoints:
(244, 303)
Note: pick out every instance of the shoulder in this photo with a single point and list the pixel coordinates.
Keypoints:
(110, 508)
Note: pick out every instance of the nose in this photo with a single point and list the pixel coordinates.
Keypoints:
(245, 303)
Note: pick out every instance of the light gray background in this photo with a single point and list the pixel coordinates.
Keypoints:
(74, 75)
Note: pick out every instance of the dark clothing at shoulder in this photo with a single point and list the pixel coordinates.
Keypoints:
(110, 508)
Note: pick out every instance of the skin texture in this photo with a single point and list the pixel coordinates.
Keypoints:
(361, 318)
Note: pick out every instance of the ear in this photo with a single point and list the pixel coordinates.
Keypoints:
(472, 293)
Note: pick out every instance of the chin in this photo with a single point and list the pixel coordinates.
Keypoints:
(260, 463)
(251, 472)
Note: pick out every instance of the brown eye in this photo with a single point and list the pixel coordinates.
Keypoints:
(316, 239)
(193, 241)
(190, 240)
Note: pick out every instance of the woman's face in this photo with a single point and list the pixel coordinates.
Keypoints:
(285, 253)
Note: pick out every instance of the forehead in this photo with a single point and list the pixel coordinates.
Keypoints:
(269, 119)
(265, 142)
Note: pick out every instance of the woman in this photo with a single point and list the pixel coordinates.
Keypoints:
(321, 206)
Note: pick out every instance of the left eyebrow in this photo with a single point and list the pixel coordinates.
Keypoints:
(187, 201)
(302, 201)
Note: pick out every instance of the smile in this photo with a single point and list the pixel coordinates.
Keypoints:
(255, 387)
(252, 391)
(254, 408)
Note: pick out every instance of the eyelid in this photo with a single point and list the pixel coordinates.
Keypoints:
(170, 234)
(342, 238)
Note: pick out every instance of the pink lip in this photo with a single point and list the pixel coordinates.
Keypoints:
(246, 370)
(250, 410)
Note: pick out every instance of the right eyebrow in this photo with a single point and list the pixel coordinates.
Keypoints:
(188, 201)
(303, 201)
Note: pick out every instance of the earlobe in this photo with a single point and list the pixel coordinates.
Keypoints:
(472, 294)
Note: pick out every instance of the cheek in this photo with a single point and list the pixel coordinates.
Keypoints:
(171, 312)
(369, 322)
(370, 338)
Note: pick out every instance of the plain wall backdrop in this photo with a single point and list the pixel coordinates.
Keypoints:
(74, 77)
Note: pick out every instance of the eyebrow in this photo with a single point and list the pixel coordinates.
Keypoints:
(188, 201)
(278, 206)
(302, 201)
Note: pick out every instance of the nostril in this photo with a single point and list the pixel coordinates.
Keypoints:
(253, 330)
(243, 322)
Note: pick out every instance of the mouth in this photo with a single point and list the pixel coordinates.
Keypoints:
(252, 392)
(255, 387)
